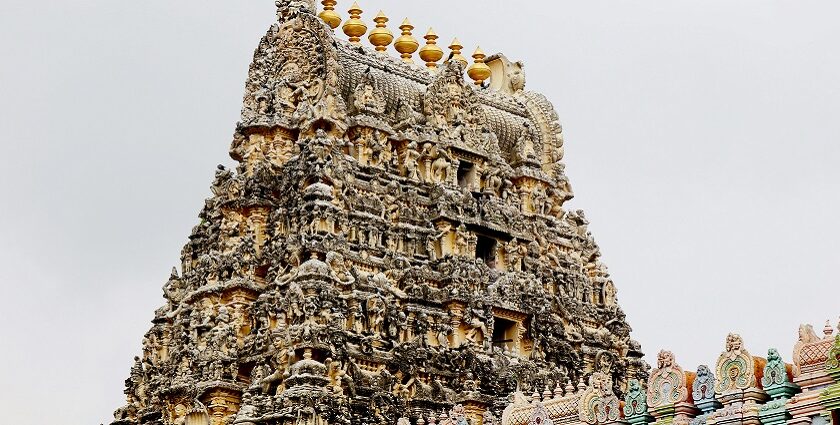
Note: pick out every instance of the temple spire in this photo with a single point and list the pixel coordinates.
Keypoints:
(406, 44)
(479, 71)
(381, 36)
(456, 48)
(355, 28)
(431, 52)
(329, 15)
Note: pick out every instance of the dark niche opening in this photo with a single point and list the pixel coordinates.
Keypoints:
(466, 174)
(504, 333)
(485, 249)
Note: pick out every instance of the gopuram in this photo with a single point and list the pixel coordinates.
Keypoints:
(391, 248)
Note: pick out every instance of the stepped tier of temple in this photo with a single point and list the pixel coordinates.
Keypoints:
(392, 244)
(741, 389)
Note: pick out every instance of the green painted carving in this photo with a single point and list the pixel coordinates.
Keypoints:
(703, 391)
(635, 403)
(667, 383)
(832, 365)
(777, 384)
(735, 367)
(598, 404)
(775, 372)
(830, 397)
(774, 412)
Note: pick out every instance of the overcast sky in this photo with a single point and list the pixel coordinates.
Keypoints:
(701, 139)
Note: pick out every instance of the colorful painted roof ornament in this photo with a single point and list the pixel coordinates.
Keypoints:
(635, 403)
(667, 393)
(598, 404)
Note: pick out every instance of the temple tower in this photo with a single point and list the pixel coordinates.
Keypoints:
(392, 243)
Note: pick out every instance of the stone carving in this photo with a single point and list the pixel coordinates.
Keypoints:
(810, 351)
(735, 370)
(452, 106)
(667, 384)
(703, 388)
(598, 403)
(540, 416)
(635, 402)
(776, 380)
(775, 371)
(376, 256)
(832, 363)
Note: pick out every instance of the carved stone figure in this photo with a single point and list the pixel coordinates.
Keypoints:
(392, 243)
(703, 388)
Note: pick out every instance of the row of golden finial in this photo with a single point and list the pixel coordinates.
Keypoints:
(381, 37)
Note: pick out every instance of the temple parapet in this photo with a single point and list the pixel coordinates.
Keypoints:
(592, 404)
(669, 397)
(740, 389)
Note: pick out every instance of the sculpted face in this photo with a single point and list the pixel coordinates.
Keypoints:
(734, 342)
(292, 72)
(517, 77)
(703, 371)
(665, 359)
(807, 334)
(180, 410)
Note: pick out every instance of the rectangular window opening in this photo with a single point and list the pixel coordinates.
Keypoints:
(466, 172)
(485, 249)
(504, 333)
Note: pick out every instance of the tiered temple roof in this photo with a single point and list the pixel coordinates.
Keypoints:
(393, 244)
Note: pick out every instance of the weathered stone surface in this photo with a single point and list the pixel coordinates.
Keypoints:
(393, 244)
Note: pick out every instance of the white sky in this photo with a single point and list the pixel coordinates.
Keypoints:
(701, 139)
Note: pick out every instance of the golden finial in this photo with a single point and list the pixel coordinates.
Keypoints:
(431, 52)
(479, 71)
(381, 36)
(355, 28)
(406, 44)
(456, 47)
(328, 15)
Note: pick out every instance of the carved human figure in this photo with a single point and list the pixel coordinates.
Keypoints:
(412, 155)
(493, 182)
(340, 271)
(406, 115)
(461, 241)
(290, 87)
(431, 248)
(475, 326)
(539, 200)
(358, 319)
(296, 303)
(376, 315)
(391, 206)
(443, 336)
(366, 98)
(379, 150)
(609, 294)
(440, 166)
